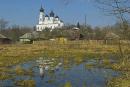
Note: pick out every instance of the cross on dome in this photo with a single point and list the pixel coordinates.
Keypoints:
(52, 14)
(41, 9)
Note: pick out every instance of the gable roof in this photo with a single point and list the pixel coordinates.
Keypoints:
(2, 36)
(31, 35)
(27, 36)
(75, 28)
(111, 35)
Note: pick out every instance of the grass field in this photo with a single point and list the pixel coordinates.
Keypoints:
(18, 53)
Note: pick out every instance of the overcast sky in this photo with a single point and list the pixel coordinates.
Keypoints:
(26, 12)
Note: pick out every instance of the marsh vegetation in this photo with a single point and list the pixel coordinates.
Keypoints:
(82, 64)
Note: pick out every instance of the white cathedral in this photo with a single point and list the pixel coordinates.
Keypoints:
(48, 21)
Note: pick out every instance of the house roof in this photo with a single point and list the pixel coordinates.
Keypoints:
(2, 36)
(32, 35)
(111, 35)
(27, 36)
(35, 35)
(75, 28)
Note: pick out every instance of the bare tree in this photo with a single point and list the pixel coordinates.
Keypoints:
(117, 8)
(3, 24)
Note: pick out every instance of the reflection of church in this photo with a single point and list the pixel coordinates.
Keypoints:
(48, 21)
(47, 65)
(41, 71)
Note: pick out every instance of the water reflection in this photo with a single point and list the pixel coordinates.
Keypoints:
(48, 64)
(55, 72)
(42, 72)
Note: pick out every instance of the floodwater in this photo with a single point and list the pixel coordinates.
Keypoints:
(51, 72)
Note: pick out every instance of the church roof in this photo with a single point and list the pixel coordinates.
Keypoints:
(57, 17)
(61, 20)
(41, 9)
(52, 14)
(46, 16)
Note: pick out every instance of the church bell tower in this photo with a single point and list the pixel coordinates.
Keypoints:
(42, 15)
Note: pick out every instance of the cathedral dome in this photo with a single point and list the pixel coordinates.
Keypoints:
(41, 9)
(52, 14)
(46, 16)
(57, 17)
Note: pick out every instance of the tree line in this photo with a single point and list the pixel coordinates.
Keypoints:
(117, 8)
(85, 32)
(13, 32)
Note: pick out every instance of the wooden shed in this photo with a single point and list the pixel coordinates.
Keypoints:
(75, 33)
(4, 40)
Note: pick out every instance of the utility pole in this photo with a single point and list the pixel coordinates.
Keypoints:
(85, 20)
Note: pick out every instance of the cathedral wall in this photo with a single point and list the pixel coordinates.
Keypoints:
(48, 22)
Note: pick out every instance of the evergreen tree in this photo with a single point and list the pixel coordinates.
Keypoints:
(78, 25)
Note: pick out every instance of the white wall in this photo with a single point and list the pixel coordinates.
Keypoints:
(48, 22)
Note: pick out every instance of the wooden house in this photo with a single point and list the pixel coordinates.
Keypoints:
(27, 38)
(4, 40)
